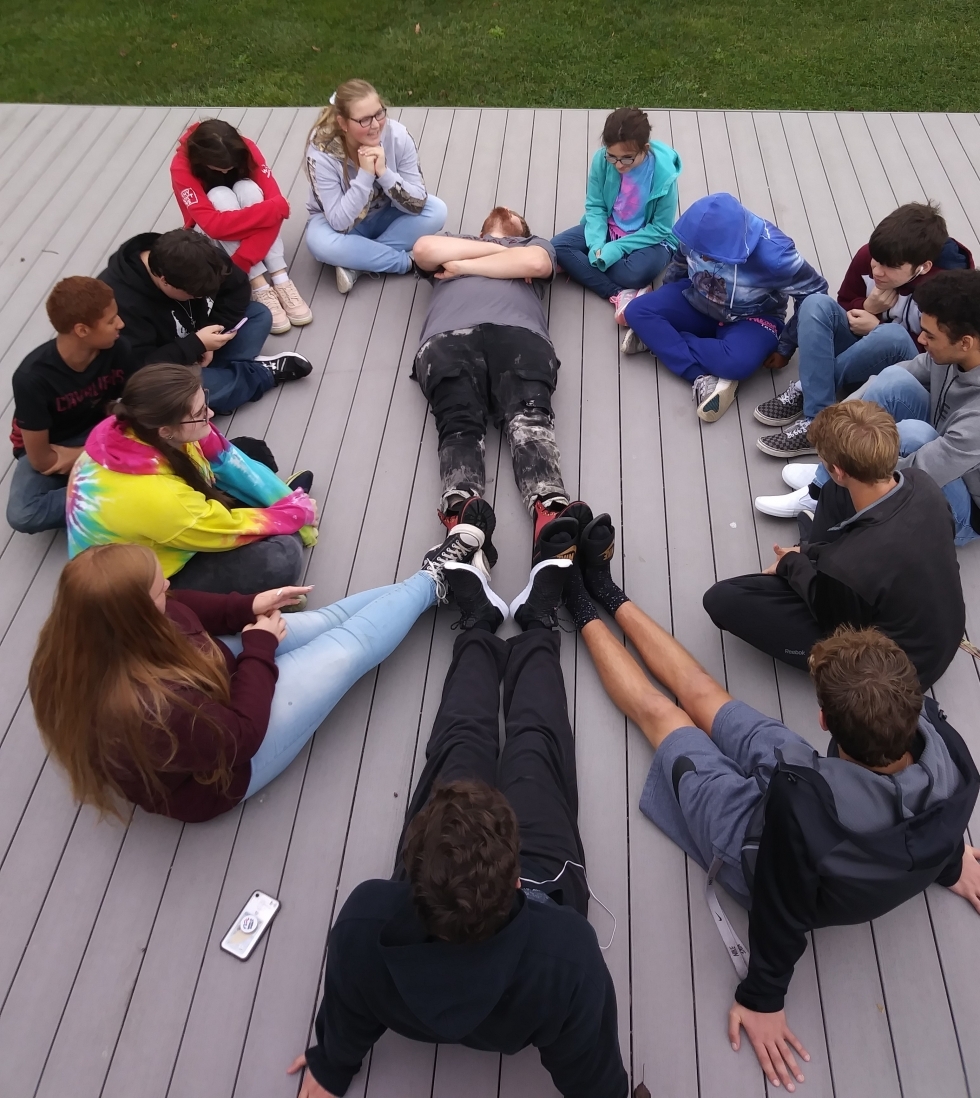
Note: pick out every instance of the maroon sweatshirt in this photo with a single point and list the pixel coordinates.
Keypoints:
(238, 728)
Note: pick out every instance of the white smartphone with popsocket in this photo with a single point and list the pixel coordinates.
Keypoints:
(251, 924)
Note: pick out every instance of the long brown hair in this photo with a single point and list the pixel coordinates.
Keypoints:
(161, 395)
(213, 144)
(107, 665)
(326, 127)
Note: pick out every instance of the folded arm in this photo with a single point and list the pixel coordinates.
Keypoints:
(432, 252)
(530, 262)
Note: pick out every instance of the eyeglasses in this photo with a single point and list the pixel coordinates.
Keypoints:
(626, 161)
(205, 411)
(368, 119)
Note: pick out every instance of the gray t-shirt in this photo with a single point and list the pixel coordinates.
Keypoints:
(469, 300)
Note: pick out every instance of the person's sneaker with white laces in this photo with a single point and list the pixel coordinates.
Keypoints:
(346, 279)
(286, 366)
(267, 296)
(459, 545)
(293, 305)
(713, 396)
(799, 475)
(789, 443)
(631, 343)
(788, 506)
(781, 409)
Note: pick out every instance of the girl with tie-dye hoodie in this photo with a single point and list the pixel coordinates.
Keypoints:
(157, 473)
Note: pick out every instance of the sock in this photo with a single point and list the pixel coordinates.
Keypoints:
(577, 600)
(279, 278)
(602, 587)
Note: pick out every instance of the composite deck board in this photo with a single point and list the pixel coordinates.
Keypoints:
(111, 980)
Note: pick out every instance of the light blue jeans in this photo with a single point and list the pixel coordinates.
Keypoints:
(897, 391)
(380, 243)
(831, 356)
(324, 653)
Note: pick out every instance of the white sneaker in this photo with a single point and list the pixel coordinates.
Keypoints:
(631, 344)
(713, 396)
(799, 474)
(346, 279)
(788, 506)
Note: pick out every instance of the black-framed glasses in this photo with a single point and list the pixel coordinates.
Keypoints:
(204, 416)
(626, 161)
(379, 116)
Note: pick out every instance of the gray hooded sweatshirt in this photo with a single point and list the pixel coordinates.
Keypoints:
(345, 193)
(954, 411)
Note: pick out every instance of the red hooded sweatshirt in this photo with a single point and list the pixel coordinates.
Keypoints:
(255, 226)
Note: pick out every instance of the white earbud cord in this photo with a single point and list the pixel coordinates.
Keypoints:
(554, 880)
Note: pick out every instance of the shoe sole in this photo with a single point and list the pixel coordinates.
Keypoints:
(492, 595)
(559, 562)
(773, 451)
(301, 321)
(772, 421)
(280, 330)
(717, 404)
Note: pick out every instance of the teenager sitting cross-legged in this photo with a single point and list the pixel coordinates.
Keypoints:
(481, 936)
(873, 323)
(186, 703)
(802, 840)
(61, 391)
(879, 551)
(184, 301)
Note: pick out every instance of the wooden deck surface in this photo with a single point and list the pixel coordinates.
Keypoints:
(111, 980)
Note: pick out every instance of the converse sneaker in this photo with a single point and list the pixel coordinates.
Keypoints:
(539, 601)
(293, 305)
(287, 366)
(782, 409)
(788, 506)
(476, 511)
(631, 344)
(459, 545)
(346, 279)
(799, 475)
(474, 596)
(558, 539)
(713, 396)
(792, 442)
(266, 295)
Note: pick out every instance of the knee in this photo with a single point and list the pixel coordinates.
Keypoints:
(248, 192)
(893, 382)
(570, 241)
(720, 602)
(223, 198)
(321, 238)
(913, 433)
(818, 307)
(284, 560)
(435, 212)
(259, 317)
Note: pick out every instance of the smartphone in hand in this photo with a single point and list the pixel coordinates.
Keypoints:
(230, 331)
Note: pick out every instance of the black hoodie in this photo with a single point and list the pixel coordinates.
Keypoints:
(539, 980)
(158, 328)
(892, 566)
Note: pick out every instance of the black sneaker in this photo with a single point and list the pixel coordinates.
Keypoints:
(459, 546)
(792, 442)
(303, 479)
(782, 409)
(597, 544)
(286, 366)
(476, 511)
(539, 601)
(558, 539)
(474, 596)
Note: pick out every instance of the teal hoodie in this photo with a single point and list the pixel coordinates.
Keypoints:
(661, 208)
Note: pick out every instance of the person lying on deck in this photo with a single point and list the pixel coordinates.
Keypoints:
(800, 839)
(481, 937)
(878, 551)
(186, 703)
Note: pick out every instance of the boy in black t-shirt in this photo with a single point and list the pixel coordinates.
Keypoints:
(61, 391)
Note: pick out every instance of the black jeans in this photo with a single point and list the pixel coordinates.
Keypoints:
(275, 561)
(536, 768)
(767, 613)
(495, 370)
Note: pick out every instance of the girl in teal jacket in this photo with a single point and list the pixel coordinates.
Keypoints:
(624, 240)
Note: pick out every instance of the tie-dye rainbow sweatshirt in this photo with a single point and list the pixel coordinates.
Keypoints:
(122, 490)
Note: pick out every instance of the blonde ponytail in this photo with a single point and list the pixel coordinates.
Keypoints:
(326, 127)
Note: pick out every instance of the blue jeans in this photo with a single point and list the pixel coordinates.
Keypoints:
(37, 501)
(234, 377)
(897, 391)
(632, 272)
(831, 356)
(380, 243)
(324, 653)
(690, 344)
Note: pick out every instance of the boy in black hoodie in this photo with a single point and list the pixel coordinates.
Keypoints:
(802, 840)
(879, 551)
(481, 937)
(185, 302)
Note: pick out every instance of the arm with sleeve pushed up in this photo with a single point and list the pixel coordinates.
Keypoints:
(805, 281)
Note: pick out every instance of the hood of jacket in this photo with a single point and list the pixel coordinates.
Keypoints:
(127, 270)
(720, 227)
(114, 447)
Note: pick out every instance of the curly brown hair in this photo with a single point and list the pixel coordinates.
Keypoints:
(462, 856)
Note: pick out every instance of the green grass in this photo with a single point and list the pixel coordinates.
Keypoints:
(916, 55)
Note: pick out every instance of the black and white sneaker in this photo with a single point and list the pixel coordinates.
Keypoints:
(539, 601)
(631, 344)
(461, 543)
(286, 366)
(792, 442)
(474, 596)
(476, 511)
(782, 409)
(713, 396)
(303, 479)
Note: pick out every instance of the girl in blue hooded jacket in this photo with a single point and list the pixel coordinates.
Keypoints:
(721, 313)
(624, 239)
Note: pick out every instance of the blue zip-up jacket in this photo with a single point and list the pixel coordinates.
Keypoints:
(740, 265)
